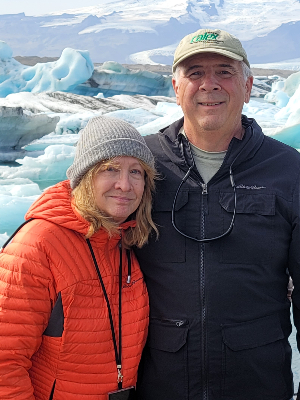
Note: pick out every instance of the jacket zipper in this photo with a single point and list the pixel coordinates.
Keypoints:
(202, 293)
(204, 375)
(52, 390)
(172, 322)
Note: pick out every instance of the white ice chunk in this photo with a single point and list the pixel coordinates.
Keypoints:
(22, 187)
(16, 196)
(136, 117)
(72, 68)
(50, 166)
(286, 94)
(112, 78)
(18, 129)
(70, 124)
(5, 51)
(154, 126)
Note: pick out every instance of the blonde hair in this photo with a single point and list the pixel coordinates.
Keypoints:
(85, 204)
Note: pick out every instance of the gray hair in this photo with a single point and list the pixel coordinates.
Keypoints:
(246, 70)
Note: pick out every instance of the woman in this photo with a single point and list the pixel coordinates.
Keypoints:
(73, 303)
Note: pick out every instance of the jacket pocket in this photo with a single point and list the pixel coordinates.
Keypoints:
(255, 221)
(163, 373)
(253, 360)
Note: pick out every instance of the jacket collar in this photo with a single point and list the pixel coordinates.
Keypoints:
(55, 205)
(175, 146)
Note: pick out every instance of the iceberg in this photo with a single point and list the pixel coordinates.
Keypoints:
(112, 78)
(16, 196)
(72, 68)
(286, 95)
(5, 51)
(50, 166)
(39, 130)
(70, 103)
(18, 129)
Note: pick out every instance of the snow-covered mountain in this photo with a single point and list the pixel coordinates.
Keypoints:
(143, 31)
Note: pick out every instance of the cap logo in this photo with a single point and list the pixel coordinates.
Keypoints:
(207, 36)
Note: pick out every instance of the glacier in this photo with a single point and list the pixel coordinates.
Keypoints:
(133, 31)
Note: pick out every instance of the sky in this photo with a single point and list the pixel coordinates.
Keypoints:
(38, 7)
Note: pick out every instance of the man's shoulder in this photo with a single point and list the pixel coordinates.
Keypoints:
(151, 139)
(277, 147)
(171, 131)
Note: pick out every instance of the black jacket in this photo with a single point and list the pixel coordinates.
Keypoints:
(220, 316)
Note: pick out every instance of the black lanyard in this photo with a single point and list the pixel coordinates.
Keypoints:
(118, 354)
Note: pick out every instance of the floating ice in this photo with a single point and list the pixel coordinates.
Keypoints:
(172, 113)
(16, 196)
(136, 117)
(20, 184)
(72, 124)
(277, 94)
(18, 129)
(291, 84)
(73, 67)
(51, 166)
(22, 187)
(262, 85)
(51, 139)
(112, 78)
(5, 51)
(286, 94)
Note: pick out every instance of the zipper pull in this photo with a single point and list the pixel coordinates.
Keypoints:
(204, 188)
(204, 198)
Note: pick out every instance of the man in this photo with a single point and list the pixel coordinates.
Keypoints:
(227, 208)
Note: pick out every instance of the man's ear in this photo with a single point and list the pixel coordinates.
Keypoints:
(176, 90)
(249, 84)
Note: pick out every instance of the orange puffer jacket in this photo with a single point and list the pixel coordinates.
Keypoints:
(56, 341)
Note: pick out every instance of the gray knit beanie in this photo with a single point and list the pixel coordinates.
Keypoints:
(104, 138)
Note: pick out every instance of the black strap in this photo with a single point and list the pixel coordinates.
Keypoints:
(15, 232)
(118, 354)
(129, 265)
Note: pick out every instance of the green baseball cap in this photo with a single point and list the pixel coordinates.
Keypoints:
(210, 41)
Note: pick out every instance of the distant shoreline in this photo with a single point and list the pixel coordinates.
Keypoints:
(159, 69)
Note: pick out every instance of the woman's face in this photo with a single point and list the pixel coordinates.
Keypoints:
(119, 187)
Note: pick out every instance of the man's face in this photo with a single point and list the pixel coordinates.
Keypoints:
(211, 90)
